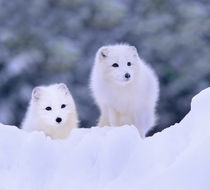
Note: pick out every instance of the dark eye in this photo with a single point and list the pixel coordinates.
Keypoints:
(115, 65)
(129, 63)
(48, 108)
(63, 105)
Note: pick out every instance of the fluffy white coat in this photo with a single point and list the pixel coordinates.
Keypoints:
(126, 93)
(51, 110)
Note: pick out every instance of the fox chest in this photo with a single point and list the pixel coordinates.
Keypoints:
(125, 103)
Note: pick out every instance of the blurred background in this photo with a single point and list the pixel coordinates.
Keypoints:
(48, 41)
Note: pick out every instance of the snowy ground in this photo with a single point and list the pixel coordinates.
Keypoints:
(111, 158)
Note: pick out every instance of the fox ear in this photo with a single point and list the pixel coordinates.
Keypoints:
(134, 50)
(64, 88)
(36, 93)
(104, 52)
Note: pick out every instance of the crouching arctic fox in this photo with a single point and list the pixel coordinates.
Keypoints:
(125, 88)
(51, 110)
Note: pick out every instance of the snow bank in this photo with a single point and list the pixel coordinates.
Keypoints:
(111, 158)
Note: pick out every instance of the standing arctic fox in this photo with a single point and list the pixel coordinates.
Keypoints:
(51, 110)
(125, 88)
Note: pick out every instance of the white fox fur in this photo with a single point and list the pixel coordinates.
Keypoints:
(124, 100)
(60, 104)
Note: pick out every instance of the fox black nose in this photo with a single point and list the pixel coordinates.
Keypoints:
(58, 119)
(127, 75)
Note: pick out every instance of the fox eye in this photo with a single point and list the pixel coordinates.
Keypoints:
(63, 105)
(129, 63)
(115, 65)
(48, 108)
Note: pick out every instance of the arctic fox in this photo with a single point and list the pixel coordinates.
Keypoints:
(51, 110)
(125, 88)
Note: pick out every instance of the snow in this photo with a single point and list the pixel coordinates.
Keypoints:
(111, 158)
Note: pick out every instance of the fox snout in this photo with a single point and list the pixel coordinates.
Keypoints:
(58, 119)
(127, 75)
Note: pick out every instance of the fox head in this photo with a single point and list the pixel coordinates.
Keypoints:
(53, 104)
(120, 63)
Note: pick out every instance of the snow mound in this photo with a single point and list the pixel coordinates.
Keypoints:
(111, 158)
